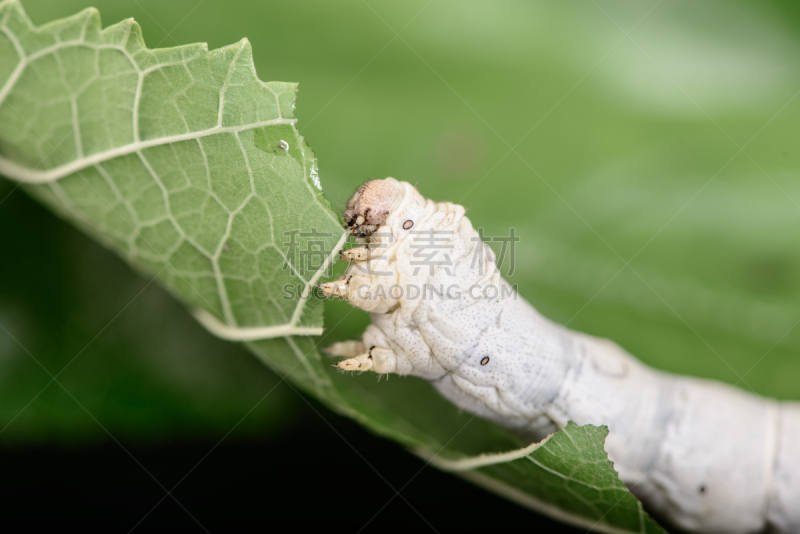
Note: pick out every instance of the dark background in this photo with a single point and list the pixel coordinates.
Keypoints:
(250, 485)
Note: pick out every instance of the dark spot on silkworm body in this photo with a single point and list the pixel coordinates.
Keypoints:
(702, 489)
(408, 224)
(484, 360)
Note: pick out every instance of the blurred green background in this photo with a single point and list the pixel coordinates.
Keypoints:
(646, 154)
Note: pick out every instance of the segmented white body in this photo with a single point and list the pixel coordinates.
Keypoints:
(706, 456)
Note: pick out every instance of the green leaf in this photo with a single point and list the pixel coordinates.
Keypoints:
(165, 156)
(192, 169)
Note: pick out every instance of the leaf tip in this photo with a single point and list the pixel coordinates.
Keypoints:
(14, 6)
(90, 12)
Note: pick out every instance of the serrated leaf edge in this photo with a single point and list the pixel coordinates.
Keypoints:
(29, 175)
(33, 176)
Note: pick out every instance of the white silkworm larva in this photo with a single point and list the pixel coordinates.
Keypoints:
(705, 456)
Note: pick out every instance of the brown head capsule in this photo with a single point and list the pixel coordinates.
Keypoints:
(369, 206)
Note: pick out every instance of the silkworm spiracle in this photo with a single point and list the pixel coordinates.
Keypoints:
(706, 456)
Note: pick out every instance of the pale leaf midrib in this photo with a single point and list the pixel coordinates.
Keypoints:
(29, 175)
(475, 462)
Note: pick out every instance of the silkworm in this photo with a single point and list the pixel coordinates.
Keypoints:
(704, 455)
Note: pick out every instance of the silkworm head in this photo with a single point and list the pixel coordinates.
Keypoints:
(369, 206)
